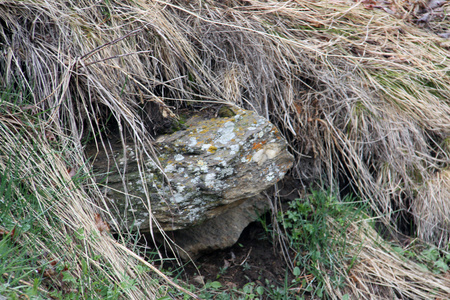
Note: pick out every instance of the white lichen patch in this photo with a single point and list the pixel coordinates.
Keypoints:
(192, 142)
(226, 172)
(181, 170)
(234, 149)
(180, 187)
(261, 121)
(195, 180)
(206, 146)
(179, 157)
(130, 152)
(270, 176)
(138, 222)
(210, 179)
(245, 159)
(226, 133)
(193, 214)
(178, 198)
(202, 165)
(169, 168)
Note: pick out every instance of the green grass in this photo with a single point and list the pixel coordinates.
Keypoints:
(316, 229)
(19, 277)
(19, 257)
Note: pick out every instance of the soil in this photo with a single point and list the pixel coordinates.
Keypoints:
(254, 258)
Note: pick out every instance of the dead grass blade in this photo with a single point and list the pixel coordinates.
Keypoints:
(374, 270)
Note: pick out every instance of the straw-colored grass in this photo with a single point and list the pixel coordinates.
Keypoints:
(71, 233)
(376, 271)
(361, 93)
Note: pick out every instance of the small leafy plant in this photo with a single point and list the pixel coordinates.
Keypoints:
(434, 259)
(316, 229)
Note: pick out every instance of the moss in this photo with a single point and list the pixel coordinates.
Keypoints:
(179, 124)
(226, 112)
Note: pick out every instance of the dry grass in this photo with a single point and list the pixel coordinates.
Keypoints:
(72, 234)
(373, 270)
(434, 222)
(361, 93)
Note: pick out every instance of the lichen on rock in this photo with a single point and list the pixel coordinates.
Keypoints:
(207, 166)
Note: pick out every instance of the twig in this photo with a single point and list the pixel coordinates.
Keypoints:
(92, 52)
(248, 254)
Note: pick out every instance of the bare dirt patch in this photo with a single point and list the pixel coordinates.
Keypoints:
(254, 258)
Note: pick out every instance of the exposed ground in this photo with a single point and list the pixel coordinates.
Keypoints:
(254, 258)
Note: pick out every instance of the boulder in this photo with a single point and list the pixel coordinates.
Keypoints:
(212, 167)
(219, 232)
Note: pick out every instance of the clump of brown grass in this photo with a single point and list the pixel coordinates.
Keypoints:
(361, 94)
(72, 230)
(373, 270)
(434, 222)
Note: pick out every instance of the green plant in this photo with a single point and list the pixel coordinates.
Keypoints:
(316, 229)
(18, 271)
(19, 264)
(246, 266)
(222, 271)
(435, 260)
(252, 291)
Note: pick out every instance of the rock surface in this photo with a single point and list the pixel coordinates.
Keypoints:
(220, 232)
(213, 167)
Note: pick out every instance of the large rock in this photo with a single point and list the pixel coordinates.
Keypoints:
(212, 166)
(221, 231)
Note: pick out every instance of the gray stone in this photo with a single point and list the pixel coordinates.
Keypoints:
(221, 231)
(212, 166)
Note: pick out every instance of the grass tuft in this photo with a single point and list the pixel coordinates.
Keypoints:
(339, 255)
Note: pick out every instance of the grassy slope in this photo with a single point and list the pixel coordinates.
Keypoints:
(362, 93)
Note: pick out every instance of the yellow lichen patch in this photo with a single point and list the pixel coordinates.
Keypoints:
(212, 149)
